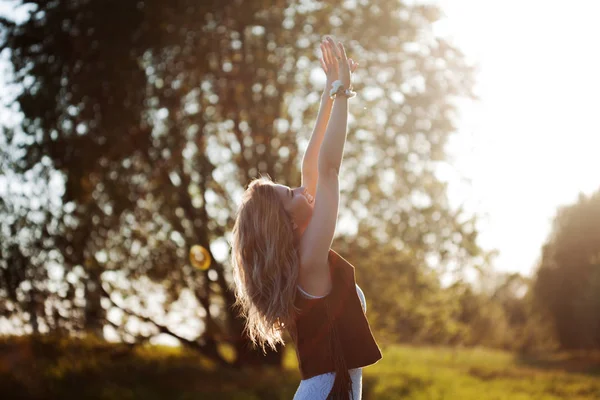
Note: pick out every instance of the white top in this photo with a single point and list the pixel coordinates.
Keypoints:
(318, 387)
(359, 291)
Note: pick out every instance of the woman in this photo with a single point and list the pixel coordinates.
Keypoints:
(287, 277)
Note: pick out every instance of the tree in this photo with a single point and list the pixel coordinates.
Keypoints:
(29, 214)
(158, 114)
(567, 282)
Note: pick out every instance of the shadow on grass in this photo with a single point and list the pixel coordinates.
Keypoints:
(575, 363)
(402, 386)
(76, 369)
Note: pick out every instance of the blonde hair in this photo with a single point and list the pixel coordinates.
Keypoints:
(265, 264)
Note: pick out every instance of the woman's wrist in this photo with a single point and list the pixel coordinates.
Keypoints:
(339, 89)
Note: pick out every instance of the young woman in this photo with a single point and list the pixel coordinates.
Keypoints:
(287, 277)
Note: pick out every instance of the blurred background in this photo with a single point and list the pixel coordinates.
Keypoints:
(470, 200)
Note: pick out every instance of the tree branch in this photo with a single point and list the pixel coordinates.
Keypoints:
(208, 348)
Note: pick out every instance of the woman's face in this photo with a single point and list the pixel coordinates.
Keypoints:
(298, 203)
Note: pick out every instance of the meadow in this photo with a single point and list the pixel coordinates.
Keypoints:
(73, 369)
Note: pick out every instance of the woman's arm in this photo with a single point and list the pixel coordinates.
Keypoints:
(316, 239)
(310, 171)
(332, 149)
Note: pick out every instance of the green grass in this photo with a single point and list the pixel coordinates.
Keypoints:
(442, 373)
(69, 369)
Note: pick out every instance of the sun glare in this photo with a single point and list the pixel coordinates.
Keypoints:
(530, 144)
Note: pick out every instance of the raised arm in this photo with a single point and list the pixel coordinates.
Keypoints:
(316, 239)
(332, 149)
(310, 171)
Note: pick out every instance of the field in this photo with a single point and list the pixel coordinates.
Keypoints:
(432, 374)
(82, 370)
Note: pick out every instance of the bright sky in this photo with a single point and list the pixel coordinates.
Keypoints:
(533, 141)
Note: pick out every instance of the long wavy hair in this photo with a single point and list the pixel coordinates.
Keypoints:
(265, 264)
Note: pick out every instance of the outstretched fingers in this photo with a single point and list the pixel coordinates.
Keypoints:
(324, 53)
(330, 55)
(324, 65)
(341, 51)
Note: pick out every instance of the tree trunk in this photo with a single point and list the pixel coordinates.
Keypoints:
(94, 313)
(33, 311)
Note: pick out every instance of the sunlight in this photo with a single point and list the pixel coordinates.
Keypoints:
(139, 256)
(531, 143)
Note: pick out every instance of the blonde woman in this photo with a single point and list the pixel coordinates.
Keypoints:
(287, 277)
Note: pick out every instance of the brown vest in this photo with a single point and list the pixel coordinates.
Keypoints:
(332, 334)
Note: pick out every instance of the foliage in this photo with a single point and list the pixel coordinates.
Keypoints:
(567, 284)
(29, 219)
(157, 114)
(407, 303)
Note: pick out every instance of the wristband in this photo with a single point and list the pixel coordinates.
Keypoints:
(337, 88)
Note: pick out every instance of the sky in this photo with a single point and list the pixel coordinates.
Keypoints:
(530, 144)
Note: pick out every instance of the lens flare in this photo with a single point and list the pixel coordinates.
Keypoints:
(199, 257)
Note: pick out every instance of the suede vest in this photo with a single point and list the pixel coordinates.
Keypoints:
(332, 333)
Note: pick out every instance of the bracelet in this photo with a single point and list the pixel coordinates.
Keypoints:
(338, 88)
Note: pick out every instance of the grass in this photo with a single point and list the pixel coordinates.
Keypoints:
(442, 373)
(69, 369)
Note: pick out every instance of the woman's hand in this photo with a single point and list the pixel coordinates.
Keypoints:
(329, 61)
(346, 66)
